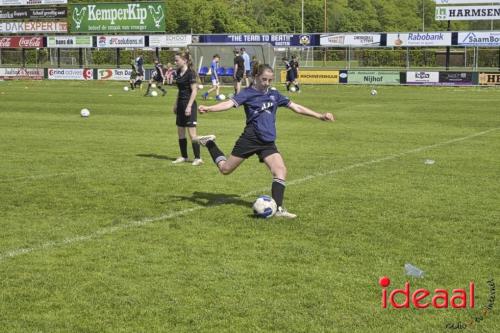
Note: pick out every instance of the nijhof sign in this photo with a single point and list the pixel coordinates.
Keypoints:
(118, 17)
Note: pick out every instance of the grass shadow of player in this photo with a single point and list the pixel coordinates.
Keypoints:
(156, 156)
(214, 199)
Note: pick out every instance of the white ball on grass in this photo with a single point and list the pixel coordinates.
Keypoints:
(154, 93)
(293, 89)
(125, 88)
(84, 113)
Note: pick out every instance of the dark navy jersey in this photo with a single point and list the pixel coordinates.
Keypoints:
(260, 109)
(288, 66)
(184, 83)
(294, 64)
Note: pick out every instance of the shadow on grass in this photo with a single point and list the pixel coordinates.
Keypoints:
(156, 156)
(213, 199)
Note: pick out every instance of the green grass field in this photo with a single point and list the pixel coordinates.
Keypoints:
(101, 233)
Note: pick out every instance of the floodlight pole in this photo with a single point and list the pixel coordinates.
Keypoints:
(448, 48)
(302, 29)
(423, 15)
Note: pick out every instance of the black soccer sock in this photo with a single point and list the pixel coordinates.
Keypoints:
(183, 146)
(278, 191)
(288, 87)
(132, 86)
(297, 87)
(149, 87)
(215, 152)
(196, 149)
(138, 83)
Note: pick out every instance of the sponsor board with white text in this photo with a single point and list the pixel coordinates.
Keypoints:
(419, 39)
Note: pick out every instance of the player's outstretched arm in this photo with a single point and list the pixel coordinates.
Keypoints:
(308, 112)
(223, 106)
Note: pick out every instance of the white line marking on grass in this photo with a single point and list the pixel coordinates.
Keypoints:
(132, 224)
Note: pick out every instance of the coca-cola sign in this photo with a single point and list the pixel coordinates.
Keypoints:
(21, 42)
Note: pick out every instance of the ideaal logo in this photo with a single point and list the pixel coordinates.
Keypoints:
(440, 299)
(460, 298)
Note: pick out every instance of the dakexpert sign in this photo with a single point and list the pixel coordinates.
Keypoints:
(31, 27)
(482, 38)
(419, 39)
(118, 17)
(70, 74)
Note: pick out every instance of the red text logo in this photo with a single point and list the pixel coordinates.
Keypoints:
(422, 298)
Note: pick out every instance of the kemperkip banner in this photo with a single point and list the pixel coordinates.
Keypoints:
(117, 17)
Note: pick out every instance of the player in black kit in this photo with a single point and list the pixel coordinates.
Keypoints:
(158, 78)
(185, 107)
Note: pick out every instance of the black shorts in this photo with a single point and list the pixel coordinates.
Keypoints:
(158, 79)
(239, 76)
(186, 121)
(247, 145)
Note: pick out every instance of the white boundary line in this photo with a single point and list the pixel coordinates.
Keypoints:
(132, 224)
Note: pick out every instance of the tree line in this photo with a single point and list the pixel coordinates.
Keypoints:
(285, 16)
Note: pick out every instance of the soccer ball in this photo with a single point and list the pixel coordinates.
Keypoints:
(84, 113)
(264, 206)
(221, 97)
(125, 88)
(293, 89)
(154, 93)
(373, 92)
(153, 85)
(200, 86)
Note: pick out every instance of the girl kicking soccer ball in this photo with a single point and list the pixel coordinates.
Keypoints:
(260, 104)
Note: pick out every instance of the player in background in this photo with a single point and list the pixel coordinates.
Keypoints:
(290, 74)
(239, 70)
(246, 62)
(139, 66)
(254, 63)
(214, 77)
(133, 77)
(295, 68)
(158, 78)
(185, 106)
(260, 105)
(169, 74)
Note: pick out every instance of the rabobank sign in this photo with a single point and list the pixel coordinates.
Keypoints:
(419, 39)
